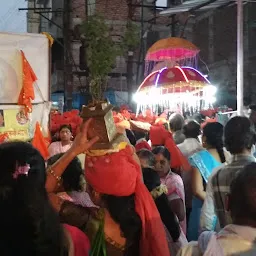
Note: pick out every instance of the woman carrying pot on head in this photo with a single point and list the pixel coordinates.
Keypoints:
(128, 222)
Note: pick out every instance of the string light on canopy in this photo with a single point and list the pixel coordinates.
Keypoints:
(180, 89)
(170, 52)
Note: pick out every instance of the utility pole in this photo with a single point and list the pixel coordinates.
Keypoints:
(130, 75)
(240, 57)
(67, 74)
(130, 59)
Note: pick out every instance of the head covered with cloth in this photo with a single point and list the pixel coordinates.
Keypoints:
(118, 174)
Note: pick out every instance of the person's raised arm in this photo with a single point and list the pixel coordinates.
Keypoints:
(54, 172)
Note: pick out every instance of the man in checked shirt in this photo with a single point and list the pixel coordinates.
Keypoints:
(239, 140)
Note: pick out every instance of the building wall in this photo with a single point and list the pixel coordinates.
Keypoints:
(113, 10)
(218, 45)
(116, 13)
(33, 19)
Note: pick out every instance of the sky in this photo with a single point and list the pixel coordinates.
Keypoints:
(11, 19)
(161, 2)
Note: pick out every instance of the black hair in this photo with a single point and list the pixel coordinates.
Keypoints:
(131, 137)
(243, 194)
(65, 126)
(29, 225)
(139, 135)
(239, 134)
(247, 101)
(213, 133)
(122, 210)
(116, 109)
(176, 122)
(252, 107)
(152, 180)
(199, 118)
(148, 155)
(162, 150)
(71, 177)
(192, 129)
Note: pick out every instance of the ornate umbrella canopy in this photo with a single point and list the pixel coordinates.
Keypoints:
(173, 48)
(177, 89)
(171, 51)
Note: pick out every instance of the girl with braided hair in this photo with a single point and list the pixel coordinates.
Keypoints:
(203, 163)
(213, 141)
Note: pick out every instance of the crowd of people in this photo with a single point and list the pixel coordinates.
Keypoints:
(182, 189)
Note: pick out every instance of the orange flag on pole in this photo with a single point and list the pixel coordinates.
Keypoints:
(27, 93)
(39, 142)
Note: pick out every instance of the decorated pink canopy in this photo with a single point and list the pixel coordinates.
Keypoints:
(175, 88)
(171, 52)
(174, 48)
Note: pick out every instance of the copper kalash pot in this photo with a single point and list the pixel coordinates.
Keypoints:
(102, 125)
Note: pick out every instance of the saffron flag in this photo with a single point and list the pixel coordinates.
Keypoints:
(27, 93)
(39, 142)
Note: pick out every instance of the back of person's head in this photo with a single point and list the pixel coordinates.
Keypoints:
(242, 199)
(29, 224)
(192, 129)
(239, 135)
(176, 122)
(198, 118)
(152, 182)
(146, 157)
(139, 135)
(253, 107)
(122, 210)
(73, 176)
(151, 178)
(213, 134)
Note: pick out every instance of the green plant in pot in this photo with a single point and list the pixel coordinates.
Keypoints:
(101, 54)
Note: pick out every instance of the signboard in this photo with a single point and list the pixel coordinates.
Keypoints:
(15, 124)
(36, 50)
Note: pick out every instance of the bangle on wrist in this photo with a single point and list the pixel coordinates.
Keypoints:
(58, 178)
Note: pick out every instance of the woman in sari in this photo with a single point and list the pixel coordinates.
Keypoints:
(173, 182)
(203, 163)
(128, 222)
